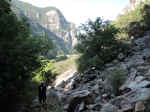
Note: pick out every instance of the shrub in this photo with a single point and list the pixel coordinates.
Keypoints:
(98, 45)
(116, 78)
(19, 58)
(135, 22)
(46, 73)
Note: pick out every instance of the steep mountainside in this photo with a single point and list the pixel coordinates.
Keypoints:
(49, 20)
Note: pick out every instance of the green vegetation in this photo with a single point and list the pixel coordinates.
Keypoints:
(23, 59)
(61, 57)
(135, 22)
(19, 58)
(65, 65)
(46, 72)
(101, 41)
(116, 78)
(97, 44)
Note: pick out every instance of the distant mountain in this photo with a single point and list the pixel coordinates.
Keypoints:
(49, 20)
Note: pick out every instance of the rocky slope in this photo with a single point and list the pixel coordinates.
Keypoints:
(92, 91)
(49, 20)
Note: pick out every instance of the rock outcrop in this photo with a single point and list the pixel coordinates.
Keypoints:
(57, 23)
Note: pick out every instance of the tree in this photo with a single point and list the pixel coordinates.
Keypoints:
(19, 57)
(134, 22)
(97, 44)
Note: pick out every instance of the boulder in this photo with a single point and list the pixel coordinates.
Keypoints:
(139, 106)
(148, 73)
(126, 108)
(95, 107)
(146, 53)
(109, 108)
(123, 102)
(77, 97)
(142, 94)
(139, 82)
(142, 69)
(97, 99)
(136, 85)
(140, 42)
(80, 107)
(121, 56)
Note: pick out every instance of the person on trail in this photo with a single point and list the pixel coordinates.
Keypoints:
(42, 93)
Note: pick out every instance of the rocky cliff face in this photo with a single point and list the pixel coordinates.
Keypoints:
(50, 19)
(57, 23)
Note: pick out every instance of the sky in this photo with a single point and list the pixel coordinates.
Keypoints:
(79, 11)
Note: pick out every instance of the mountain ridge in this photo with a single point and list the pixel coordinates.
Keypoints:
(49, 20)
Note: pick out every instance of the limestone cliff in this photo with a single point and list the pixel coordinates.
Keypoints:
(52, 20)
(56, 23)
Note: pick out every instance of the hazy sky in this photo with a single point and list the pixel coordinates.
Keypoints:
(78, 11)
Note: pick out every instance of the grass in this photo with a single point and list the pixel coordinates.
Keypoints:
(65, 65)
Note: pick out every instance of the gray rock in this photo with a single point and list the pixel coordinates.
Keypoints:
(139, 107)
(81, 107)
(77, 97)
(139, 82)
(109, 65)
(98, 99)
(115, 62)
(146, 53)
(121, 56)
(148, 73)
(143, 94)
(142, 69)
(139, 79)
(140, 42)
(95, 107)
(136, 85)
(109, 108)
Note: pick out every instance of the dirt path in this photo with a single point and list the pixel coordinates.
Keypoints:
(64, 77)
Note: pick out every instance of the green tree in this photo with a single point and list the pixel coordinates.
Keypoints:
(134, 22)
(97, 44)
(19, 57)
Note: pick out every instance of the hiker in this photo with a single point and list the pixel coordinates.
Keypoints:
(42, 93)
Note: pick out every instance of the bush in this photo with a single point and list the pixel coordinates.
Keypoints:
(19, 58)
(135, 22)
(116, 78)
(46, 73)
(98, 45)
